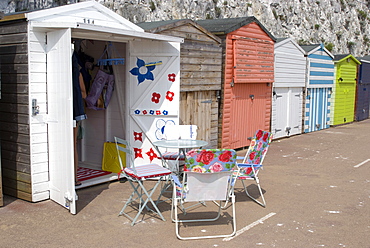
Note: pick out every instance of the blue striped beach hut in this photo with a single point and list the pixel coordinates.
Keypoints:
(319, 83)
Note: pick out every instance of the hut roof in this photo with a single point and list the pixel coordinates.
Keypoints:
(84, 18)
(365, 58)
(341, 57)
(309, 49)
(228, 25)
(283, 41)
(159, 26)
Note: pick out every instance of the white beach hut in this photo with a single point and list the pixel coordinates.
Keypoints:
(36, 108)
(287, 99)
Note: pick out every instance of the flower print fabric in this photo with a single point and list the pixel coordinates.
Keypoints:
(225, 156)
(205, 157)
(210, 160)
(255, 154)
(216, 167)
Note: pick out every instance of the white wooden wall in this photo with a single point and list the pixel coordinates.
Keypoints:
(38, 127)
(290, 66)
(287, 104)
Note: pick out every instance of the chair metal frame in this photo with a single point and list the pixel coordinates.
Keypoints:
(136, 175)
(253, 161)
(183, 193)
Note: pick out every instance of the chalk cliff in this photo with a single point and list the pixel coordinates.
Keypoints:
(342, 25)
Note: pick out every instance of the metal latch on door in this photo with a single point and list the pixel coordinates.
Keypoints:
(35, 108)
(287, 129)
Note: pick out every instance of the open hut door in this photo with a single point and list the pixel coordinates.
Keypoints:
(60, 120)
(153, 93)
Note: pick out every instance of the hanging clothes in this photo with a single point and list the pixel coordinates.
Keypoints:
(78, 102)
(103, 84)
(102, 87)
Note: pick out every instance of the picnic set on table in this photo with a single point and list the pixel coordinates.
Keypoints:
(195, 176)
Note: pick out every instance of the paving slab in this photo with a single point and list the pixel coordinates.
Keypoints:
(316, 185)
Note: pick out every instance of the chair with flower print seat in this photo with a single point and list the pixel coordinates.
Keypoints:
(252, 162)
(207, 174)
(136, 175)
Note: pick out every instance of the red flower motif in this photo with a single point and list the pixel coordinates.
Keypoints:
(205, 157)
(158, 112)
(152, 155)
(138, 136)
(259, 134)
(172, 77)
(225, 156)
(265, 137)
(156, 97)
(248, 171)
(170, 95)
(252, 155)
(145, 112)
(138, 153)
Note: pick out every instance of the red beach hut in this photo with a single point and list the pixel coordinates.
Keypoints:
(248, 74)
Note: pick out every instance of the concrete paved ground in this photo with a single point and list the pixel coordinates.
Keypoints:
(317, 188)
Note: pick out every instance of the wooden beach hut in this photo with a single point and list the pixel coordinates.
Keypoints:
(247, 77)
(319, 83)
(37, 108)
(363, 90)
(200, 62)
(287, 96)
(344, 90)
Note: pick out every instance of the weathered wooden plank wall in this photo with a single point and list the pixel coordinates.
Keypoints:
(14, 110)
(200, 83)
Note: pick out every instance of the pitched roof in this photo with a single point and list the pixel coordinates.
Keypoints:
(280, 39)
(309, 48)
(159, 26)
(338, 57)
(365, 58)
(283, 41)
(228, 25)
(341, 57)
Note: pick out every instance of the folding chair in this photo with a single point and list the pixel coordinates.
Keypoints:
(207, 177)
(252, 162)
(136, 175)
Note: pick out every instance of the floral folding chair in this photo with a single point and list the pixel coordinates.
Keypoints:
(207, 178)
(136, 176)
(252, 162)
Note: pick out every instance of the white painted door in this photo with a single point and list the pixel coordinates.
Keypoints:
(60, 120)
(153, 94)
(280, 102)
(295, 110)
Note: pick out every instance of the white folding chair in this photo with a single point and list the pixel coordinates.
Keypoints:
(136, 175)
(207, 177)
